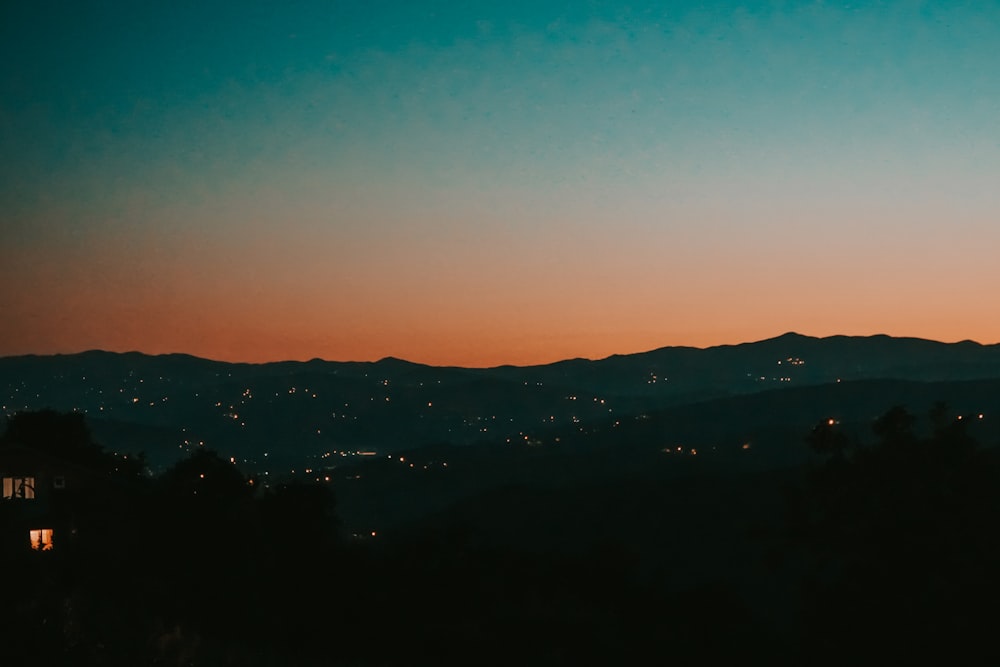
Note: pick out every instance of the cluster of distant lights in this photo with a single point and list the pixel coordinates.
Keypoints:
(325, 477)
(680, 449)
(247, 394)
(412, 465)
(787, 361)
(233, 413)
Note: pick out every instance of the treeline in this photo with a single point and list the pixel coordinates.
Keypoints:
(887, 548)
(898, 544)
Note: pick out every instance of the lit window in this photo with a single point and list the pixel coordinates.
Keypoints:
(18, 487)
(41, 539)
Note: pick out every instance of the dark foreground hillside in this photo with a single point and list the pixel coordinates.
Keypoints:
(883, 551)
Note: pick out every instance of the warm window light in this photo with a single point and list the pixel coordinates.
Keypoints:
(41, 539)
(18, 487)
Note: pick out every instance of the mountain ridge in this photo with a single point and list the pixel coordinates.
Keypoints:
(786, 337)
(168, 404)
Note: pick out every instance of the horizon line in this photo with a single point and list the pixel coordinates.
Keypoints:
(389, 358)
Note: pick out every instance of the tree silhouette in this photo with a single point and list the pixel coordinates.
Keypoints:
(895, 427)
(206, 475)
(826, 438)
(63, 435)
(898, 540)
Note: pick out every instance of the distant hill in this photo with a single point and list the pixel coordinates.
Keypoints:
(286, 416)
(738, 435)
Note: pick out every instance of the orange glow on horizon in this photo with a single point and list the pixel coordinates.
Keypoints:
(252, 307)
(468, 353)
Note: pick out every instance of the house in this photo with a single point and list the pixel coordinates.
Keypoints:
(36, 511)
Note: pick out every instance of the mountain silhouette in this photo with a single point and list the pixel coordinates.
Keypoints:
(291, 410)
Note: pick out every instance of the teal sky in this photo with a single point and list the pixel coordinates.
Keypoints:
(498, 182)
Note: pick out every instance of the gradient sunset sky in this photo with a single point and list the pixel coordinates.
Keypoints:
(477, 183)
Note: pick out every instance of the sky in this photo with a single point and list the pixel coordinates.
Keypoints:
(481, 183)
